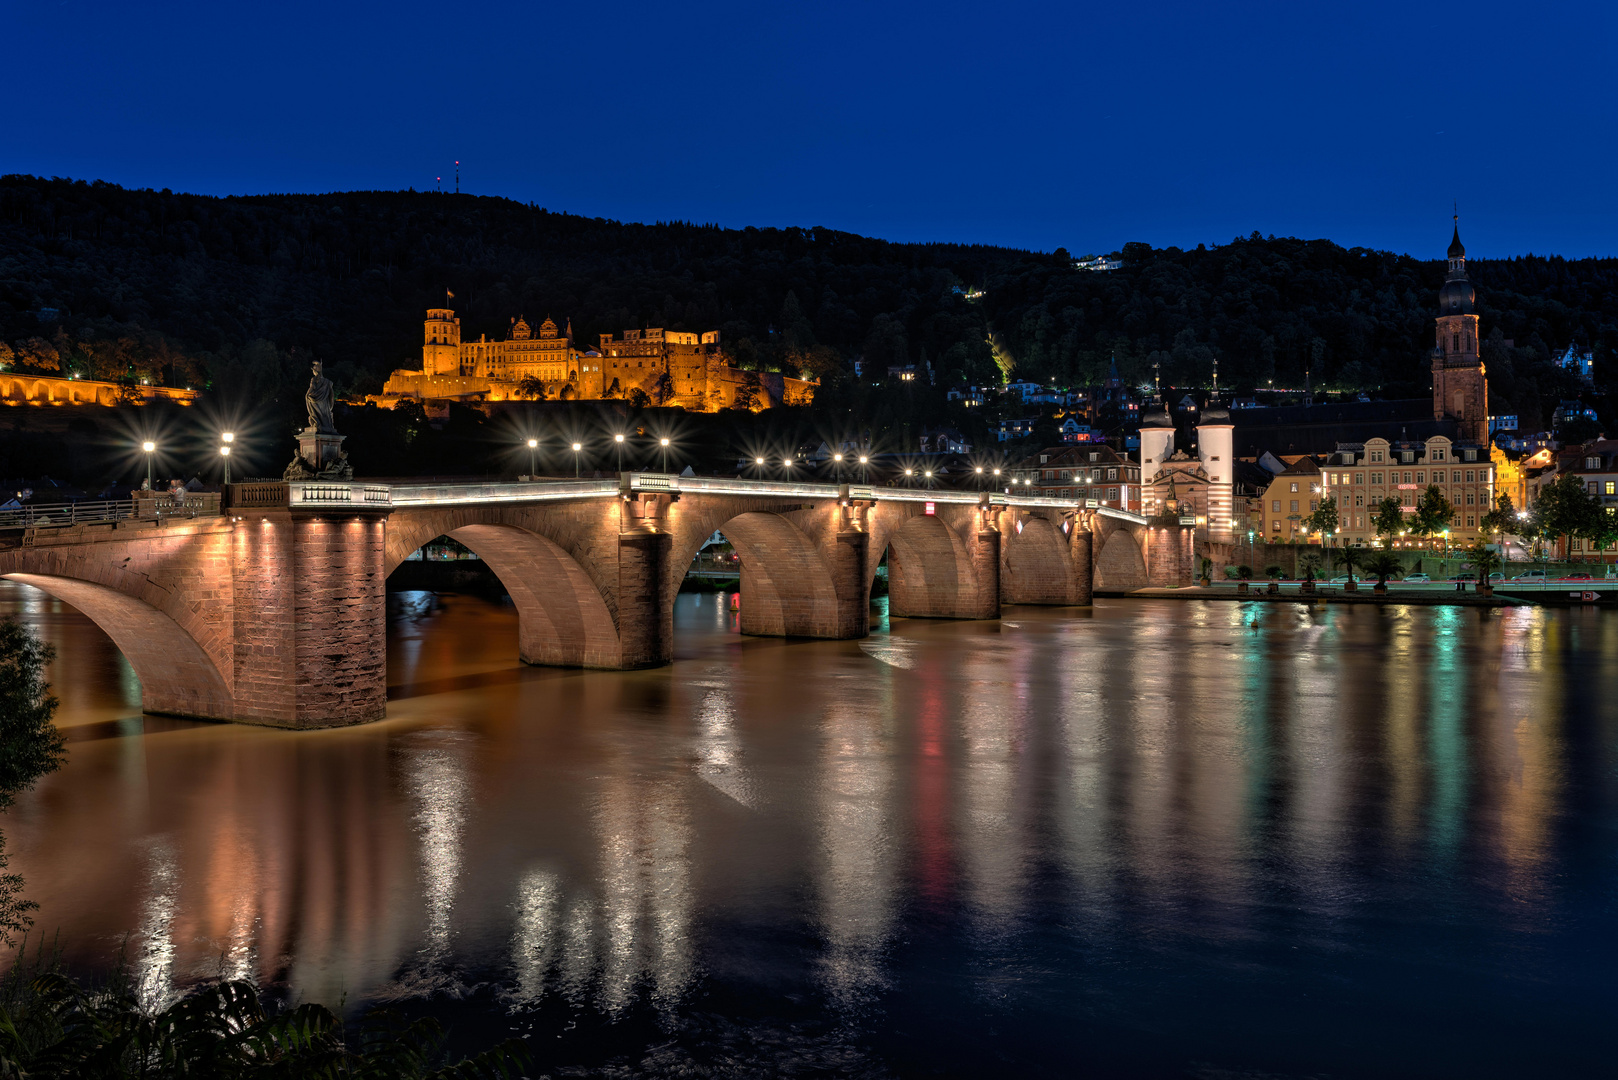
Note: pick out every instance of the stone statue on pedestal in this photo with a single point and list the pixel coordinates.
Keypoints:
(320, 449)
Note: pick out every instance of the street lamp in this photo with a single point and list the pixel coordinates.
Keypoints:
(224, 452)
(979, 471)
(149, 446)
(533, 458)
(663, 449)
(864, 472)
(576, 448)
(619, 439)
(909, 473)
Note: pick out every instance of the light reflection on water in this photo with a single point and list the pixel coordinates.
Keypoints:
(1154, 838)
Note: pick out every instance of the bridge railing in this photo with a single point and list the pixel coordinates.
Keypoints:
(499, 491)
(148, 507)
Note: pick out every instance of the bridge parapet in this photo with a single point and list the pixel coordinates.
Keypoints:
(323, 494)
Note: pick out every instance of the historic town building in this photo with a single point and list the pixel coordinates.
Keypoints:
(653, 366)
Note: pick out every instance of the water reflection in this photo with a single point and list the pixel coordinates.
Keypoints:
(963, 846)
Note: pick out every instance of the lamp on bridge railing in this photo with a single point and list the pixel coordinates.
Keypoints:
(929, 478)
(908, 474)
(663, 452)
(865, 473)
(619, 440)
(224, 452)
(576, 448)
(533, 458)
(979, 471)
(149, 446)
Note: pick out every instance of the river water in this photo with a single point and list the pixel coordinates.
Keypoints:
(1154, 838)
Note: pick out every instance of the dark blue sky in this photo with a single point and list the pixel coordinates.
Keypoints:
(1037, 125)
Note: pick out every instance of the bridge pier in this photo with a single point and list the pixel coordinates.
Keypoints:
(645, 615)
(309, 640)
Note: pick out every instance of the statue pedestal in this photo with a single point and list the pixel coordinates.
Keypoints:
(320, 457)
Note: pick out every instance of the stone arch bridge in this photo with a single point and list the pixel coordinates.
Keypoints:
(272, 612)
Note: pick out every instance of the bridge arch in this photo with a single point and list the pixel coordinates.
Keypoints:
(930, 570)
(563, 618)
(788, 587)
(177, 675)
(1119, 564)
(1038, 564)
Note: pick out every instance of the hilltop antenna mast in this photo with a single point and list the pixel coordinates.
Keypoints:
(439, 181)
(457, 178)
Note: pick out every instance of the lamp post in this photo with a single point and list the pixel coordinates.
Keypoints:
(149, 446)
(619, 440)
(837, 468)
(533, 458)
(228, 438)
(663, 452)
(908, 474)
(979, 471)
(865, 473)
(576, 448)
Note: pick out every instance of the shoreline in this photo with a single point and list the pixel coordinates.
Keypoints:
(1364, 595)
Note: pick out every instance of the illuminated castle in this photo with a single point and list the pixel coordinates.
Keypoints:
(653, 367)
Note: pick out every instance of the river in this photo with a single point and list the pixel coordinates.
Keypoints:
(1152, 838)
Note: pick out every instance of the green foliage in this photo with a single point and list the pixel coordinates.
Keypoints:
(1484, 561)
(1324, 519)
(1383, 565)
(1388, 518)
(1562, 508)
(51, 1027)
(1502, 518)
(30, 746)
(1294, 310)
(1434, 513)
(1272, 572)
(1310, 562)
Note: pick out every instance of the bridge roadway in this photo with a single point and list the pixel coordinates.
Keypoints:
(271, 609)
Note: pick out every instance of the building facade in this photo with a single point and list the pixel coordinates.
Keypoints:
(667, 367)
(1361, 475)
(1094, 473)
(1292, 496)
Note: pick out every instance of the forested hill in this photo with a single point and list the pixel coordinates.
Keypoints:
(196, 288)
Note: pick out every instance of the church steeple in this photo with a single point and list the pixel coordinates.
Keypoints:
(1460, 389)
(1457, 296)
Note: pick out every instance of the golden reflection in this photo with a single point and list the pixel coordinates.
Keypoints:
(859, 849)
(437, 778)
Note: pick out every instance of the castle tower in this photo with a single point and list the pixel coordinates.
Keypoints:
(441, 343)
(1156, 447)
(1216, 444)
(1460, 388)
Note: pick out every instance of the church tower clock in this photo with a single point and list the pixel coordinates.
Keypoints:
(1460, 389)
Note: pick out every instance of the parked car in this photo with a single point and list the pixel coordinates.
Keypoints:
(1464, 576)
(1576, 577)
(1419, 579)
(1529, 575)
(1345, 580)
